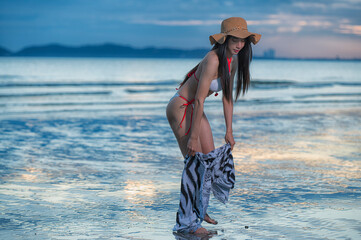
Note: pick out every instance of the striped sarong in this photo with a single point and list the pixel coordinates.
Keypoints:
(202, 174)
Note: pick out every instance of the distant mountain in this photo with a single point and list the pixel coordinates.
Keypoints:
(4, 52)
(107, 50)
(114, 50)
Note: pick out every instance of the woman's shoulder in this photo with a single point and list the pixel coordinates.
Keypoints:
(211, 58)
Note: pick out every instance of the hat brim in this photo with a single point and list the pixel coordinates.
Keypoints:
(221, 37)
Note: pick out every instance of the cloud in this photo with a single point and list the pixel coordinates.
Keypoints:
(301, 21)
(327, 5)
(270, 21)
(126, 21)
(178, 22)
(312, 46)
(350, 29)
(210, 22)
(318, 25)
(346, 4)
(310, 5)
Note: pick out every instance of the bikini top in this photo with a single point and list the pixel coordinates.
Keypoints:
(216, 85)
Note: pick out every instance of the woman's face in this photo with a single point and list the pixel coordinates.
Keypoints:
(235, 45)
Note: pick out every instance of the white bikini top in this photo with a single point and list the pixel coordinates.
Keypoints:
(216, 85)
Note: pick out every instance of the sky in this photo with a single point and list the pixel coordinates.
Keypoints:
(301, 29)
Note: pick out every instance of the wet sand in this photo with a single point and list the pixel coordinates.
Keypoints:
(297, 175)
(87, 153)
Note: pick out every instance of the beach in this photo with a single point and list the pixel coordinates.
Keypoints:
(87, 152)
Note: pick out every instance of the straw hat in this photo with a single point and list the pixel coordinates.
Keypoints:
(234, 26)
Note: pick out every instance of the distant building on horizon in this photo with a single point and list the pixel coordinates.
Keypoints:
(269, 53)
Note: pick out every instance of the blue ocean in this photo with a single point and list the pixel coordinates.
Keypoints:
(87, 153)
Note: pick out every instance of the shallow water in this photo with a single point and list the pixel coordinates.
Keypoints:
(86, 151)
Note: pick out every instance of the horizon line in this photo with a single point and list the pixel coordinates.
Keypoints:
(161, 48)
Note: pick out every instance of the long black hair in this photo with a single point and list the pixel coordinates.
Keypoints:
(243, 75)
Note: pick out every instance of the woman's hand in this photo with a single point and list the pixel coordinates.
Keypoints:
(192, 146)
(229, 139)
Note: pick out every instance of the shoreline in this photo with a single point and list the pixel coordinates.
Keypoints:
(167, 57)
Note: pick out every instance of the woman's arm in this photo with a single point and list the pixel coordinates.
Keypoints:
(228, 109)
(209, 70)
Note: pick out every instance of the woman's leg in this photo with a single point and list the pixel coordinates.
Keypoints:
(207, 145)
(205, 136)
(175, 113)
(205, 139)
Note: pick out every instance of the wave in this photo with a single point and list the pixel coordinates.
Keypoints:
(265, 101)
(259, 84)
(46, 104)
(86, 84)
(8, 76)
(279, 101)
(155, 107)
(328, 95)
(153, 90)
(54, 94)
(255, 84)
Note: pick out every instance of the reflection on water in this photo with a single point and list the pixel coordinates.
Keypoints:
(297, 176)
(321, 157)
(88, 153)
(139, 192)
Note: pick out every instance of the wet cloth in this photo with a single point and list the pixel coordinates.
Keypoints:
(203, 173)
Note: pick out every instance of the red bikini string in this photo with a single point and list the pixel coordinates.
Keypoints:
(229, 60)
(194, 73)
(190, 75)
(185, 112)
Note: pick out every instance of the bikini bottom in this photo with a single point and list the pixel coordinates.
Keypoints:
(186, 105)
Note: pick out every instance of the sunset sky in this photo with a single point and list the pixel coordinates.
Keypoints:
(305, 29)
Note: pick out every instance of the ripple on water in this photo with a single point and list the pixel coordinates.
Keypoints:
(296, 175)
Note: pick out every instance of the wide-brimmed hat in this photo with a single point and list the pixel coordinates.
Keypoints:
(234, 26)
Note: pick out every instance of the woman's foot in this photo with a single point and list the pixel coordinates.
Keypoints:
(201, 231)
(209, 220)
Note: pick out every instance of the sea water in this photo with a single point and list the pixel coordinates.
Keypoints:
(87, 153)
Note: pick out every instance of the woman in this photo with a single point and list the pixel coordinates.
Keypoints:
(232, 52)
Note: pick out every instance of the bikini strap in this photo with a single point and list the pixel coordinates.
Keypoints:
(229, 60)
(195, 76)
(193, 73)
(189, 103)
